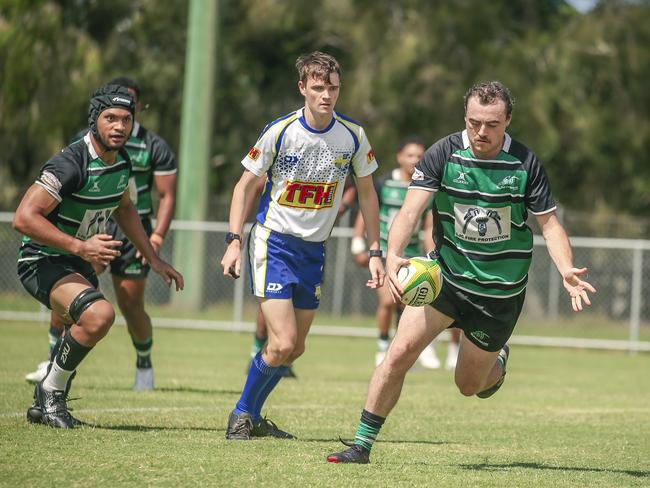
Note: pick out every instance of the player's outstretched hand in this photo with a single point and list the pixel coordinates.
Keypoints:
(377, 273)
(393, 264)
(100, 250)
(577, 288)
(168, 273)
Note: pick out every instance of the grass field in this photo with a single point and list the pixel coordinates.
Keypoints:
(563, 418)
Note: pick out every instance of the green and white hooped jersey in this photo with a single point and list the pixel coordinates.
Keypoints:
(482, 206)
(391, 191)
(150, 155)
(87, 189)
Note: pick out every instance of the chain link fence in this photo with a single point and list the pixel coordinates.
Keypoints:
(617, 267)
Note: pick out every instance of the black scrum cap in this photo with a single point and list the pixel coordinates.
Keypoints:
(108, 96)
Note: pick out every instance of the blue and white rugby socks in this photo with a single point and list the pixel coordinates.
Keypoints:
(259, 384)
(266, 391)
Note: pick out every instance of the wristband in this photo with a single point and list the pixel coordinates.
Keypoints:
(231, 236)
(376, 253)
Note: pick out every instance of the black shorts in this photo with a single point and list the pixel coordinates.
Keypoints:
(487, 322)
(127, 266)
(38, 277)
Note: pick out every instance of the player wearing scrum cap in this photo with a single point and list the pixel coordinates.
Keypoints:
(153, 165)
(63, 218)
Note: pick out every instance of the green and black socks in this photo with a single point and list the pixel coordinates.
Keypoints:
(368, 429)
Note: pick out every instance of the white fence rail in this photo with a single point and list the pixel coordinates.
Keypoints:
(617, 267)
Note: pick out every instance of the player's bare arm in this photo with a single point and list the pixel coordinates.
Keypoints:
(166, 188)
(559, 248)
(369, 205)
(128, 219)
(246, 185)
(399, 235)
(427, 229)
(358, 247)
(30, 219)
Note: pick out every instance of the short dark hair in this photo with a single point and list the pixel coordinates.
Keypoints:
(488, 92)
(127, 83)
(318, 65)
(411, 139)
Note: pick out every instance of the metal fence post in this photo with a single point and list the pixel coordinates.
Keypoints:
(339, 268)
(635, 301)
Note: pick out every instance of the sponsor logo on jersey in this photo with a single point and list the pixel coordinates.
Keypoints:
(315, 196)
(254, 153)
(122, 183)
(95, 188)
(509, 183)
(273, 287)
(342, 159)
(480, 336)
(417, 175)
(370, 156)
(93, 222)
(461, 178)
(291, 158)
(479, 224)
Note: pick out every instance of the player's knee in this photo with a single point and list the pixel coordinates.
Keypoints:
(129, 303)
(400, 358)
(281, 350)
(467, 386)
(93, 313)
(297, 352)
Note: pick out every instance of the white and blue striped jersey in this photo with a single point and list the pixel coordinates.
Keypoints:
(306, 171)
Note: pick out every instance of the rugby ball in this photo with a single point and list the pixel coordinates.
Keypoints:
(421, 281)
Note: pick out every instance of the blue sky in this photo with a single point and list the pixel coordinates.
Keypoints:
(582, 5)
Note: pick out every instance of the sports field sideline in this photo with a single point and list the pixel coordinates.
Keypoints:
(563, 418)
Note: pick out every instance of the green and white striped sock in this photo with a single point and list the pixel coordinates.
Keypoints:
(368, 429)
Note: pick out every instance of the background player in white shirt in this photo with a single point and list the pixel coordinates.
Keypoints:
(306, 156)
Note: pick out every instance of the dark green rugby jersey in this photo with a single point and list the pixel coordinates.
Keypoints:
(391, 191)
(87, 189)
(482, 207)
(150, 155)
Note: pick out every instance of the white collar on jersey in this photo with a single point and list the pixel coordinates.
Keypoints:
(136, 128)
(303, 122)
(506, 142)
(91, 148)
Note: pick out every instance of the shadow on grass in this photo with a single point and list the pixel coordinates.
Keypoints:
(150, 428)
(382, 441)
(544, 467)
(189, 389)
